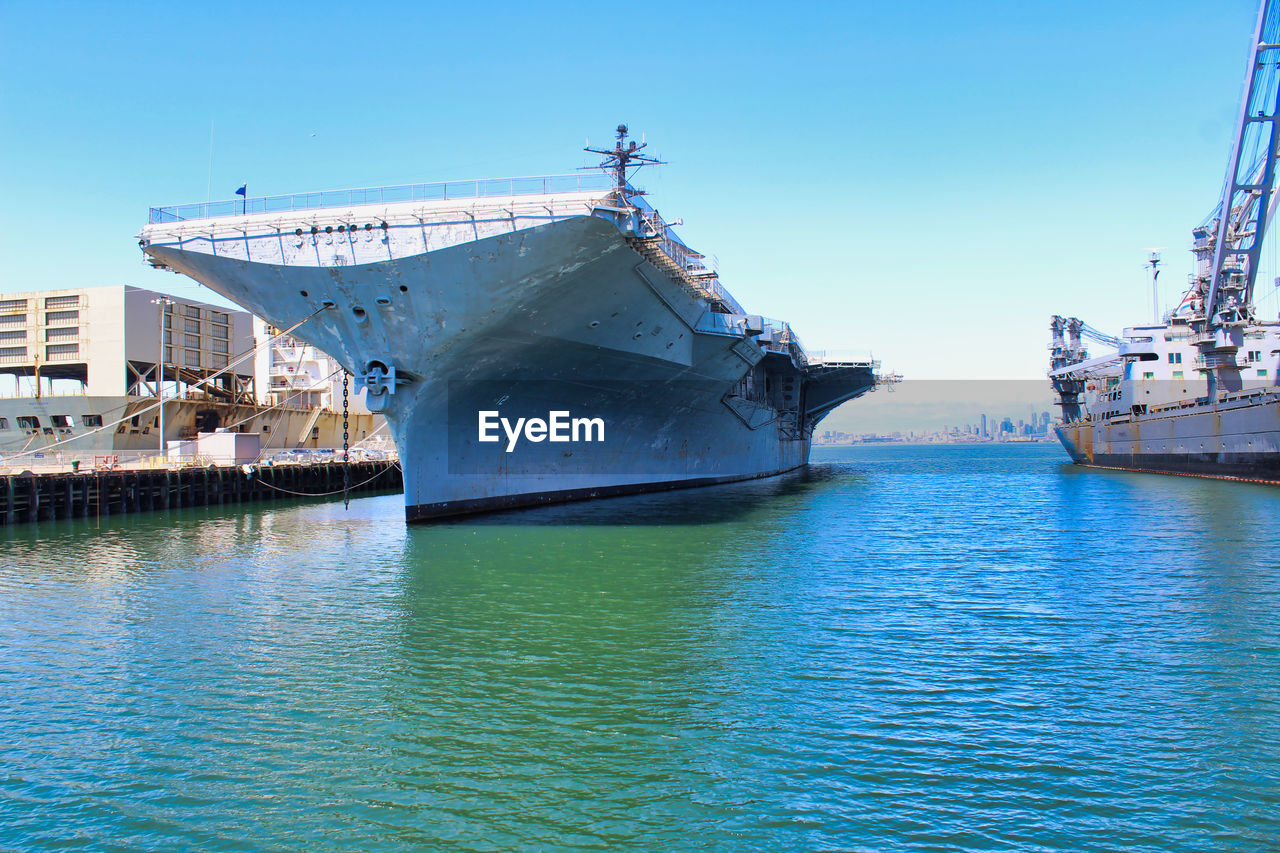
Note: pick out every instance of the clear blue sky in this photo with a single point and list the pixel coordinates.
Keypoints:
(928, 180)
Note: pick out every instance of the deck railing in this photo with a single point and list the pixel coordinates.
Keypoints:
(493, 187)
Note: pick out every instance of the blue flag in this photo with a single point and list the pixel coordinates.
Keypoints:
(242, 190)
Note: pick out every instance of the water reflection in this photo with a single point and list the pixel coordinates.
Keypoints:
(905, 648)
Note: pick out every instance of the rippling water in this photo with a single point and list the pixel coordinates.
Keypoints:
(909, 648)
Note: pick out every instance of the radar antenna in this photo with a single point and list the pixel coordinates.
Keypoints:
(624, 155)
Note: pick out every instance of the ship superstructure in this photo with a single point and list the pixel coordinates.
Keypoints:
(1194, 392)
(527, 302)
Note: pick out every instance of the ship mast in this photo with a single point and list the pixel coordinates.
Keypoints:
(624, 155)
(1242, 215)
(1154, 261)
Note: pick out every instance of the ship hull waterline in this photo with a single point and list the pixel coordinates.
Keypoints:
(1237, 441)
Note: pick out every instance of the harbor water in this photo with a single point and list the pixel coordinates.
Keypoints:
(905, 648)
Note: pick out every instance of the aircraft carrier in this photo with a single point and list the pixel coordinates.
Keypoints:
(529, 340)
(1193, 392)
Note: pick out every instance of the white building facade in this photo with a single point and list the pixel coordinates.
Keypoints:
(292, 372)
(108, 340)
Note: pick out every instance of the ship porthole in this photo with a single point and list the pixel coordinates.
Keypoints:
(341, 228)
(358, 311)
(304, 293)
(404, 289)
(328, 229)
(298, 232)
(594, 323)
(636, 336)
(368, 226)
(382, 300)
(315, 230)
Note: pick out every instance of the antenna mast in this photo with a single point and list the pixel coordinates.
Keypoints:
(1154, 260)
(623, 156)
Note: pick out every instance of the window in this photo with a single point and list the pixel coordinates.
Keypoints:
(168, 320)
(61, 421)
(4, 423)
(13, 319)
(191, 326)
(219, 317)
(168, 353)
(221, 332)
(1148, 375)
(7, 305)
(61, 352)
(52, 302)
(1177, 374)
(14, 335)
(1175, 358)
(191, 310)
(11, 353)
(219, 361)
(191, 358)
(1255, 355)
(62, 317)
(62, 334)
(91, 420)
(168, 337)
(1262, 373)
(192, 341)
(28, 422)
(219, 346)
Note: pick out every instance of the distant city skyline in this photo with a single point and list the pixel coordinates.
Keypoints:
(929, 405)
(987, 428)
(931, 187)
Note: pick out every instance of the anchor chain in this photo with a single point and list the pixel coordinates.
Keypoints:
(346, 436)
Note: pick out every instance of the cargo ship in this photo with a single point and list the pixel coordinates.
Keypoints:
(1193, 392)
(529, 340)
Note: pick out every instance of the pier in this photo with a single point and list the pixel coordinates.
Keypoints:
(30, 496)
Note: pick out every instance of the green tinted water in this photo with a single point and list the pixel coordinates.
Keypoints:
(908, 649)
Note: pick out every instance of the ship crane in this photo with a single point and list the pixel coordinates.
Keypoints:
(1087, 331)
(1229, 247)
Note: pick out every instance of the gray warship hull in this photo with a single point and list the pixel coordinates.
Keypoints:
(528, 307)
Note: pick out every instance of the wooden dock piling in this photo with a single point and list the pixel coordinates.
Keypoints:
(30, 497)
